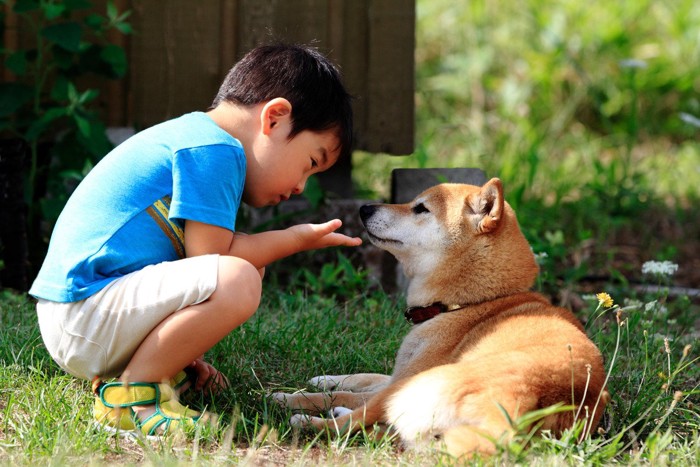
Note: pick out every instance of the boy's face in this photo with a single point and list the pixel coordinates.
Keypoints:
(279, 167)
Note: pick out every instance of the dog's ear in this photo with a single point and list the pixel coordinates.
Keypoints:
(488, 206)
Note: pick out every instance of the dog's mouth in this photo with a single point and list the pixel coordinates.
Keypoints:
(374, 239)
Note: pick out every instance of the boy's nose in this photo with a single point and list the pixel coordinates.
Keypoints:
(300, 187)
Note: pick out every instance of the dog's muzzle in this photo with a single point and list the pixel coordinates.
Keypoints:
(367, 211)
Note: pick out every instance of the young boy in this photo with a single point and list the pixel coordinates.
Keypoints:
(145, 271)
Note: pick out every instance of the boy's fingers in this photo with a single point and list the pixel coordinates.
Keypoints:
(340, 239)
(330, 226)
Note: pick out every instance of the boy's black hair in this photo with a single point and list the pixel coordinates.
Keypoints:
(303, 76)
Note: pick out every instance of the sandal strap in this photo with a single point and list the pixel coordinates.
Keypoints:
(169, 413)
(150, 426)
(118, 394)
(183, 377)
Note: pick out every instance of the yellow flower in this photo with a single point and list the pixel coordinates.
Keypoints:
(604, 300)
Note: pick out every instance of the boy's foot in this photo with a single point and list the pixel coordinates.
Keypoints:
(150, 409)
(183, 381)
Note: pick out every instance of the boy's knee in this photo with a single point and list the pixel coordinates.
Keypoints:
(240, 284)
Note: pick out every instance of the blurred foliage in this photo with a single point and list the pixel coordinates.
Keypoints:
(588, 112)
(61, 45)
(563, 100)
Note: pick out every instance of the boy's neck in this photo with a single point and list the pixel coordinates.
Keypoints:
(239, 121)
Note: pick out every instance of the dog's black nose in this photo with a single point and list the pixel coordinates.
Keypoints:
(366, 211)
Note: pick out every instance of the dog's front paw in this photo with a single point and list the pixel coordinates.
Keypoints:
(325, 382)
(281, 398)
(336, 412)
(301, 421)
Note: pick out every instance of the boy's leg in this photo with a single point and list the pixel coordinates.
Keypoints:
(188, 333)
(153, 308)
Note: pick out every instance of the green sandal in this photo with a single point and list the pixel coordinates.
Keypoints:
(113, 409)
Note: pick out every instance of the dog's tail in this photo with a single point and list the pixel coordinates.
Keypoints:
(466, 441)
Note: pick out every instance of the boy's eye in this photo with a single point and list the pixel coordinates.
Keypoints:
(419, 208)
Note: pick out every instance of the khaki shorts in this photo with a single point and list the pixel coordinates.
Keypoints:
(99, 335)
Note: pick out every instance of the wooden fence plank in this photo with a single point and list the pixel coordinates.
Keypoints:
(390, 77)
(174, 58)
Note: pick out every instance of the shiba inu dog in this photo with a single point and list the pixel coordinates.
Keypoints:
(484, 349)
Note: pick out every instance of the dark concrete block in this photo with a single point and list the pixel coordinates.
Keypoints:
(406, 184)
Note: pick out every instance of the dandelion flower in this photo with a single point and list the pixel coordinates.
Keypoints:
(659, 268)
(604, 300)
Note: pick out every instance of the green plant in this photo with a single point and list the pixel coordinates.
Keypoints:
(47, 102)
(339, 279)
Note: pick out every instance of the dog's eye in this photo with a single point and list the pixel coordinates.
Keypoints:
(419, 208)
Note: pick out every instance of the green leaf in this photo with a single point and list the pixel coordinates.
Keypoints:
(115, 57)
(59, 91)
(17, 63)
(88, 96)
(13, 96)
(96, 142)
(124, 28)
(38, 127)
(65, 35)
(94, 21)
(314, 192)
(72, 92)
(112, 11)
(53, 10)
(83, 125)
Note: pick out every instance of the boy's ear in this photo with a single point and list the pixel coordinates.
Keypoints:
(274, 112)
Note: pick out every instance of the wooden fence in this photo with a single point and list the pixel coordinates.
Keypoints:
(181, 50)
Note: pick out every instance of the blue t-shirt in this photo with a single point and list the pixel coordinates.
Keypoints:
(129, 211)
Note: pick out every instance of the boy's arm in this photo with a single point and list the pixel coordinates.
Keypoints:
(263, 248)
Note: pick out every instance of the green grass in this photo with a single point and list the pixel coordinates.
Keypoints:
(653, 417)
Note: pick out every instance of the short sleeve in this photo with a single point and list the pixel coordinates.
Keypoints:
(208, 184)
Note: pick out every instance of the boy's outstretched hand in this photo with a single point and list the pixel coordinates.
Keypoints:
(314, 236)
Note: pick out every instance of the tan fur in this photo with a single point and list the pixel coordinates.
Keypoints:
(507, 349)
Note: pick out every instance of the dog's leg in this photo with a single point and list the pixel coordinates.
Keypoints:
(321, 402)
(347, 422)
(361, 382)
(364, 416)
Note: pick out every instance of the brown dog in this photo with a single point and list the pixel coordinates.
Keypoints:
(483, 345)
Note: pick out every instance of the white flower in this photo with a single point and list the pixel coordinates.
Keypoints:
(633, 63)
(632, 304)
(690, 119)
(661, 337)
(541, 257)
(659, 268)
